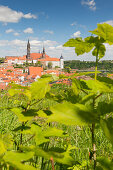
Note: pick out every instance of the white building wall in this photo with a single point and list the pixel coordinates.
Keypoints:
(61, 63)
(35, 61)
(54, 63)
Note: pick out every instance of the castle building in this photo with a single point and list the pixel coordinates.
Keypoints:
(43, 58)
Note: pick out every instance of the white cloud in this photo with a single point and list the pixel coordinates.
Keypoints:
(29, 16)
(7, 15)
(78, 25)
(76, 34)
(49, 43)
(9, 31)
(49, 31)
(110, 22)
(16, 34)
(90, 3)
(28, 30)
(74, 23)
(12, 31)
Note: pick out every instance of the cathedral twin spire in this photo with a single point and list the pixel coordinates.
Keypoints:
(28, 51)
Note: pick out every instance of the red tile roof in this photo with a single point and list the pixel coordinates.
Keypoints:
(35, 70)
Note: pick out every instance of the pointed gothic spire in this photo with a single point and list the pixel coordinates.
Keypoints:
(28, 50)
(61, 57)
(43, 50)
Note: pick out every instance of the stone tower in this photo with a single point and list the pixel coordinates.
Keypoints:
(28, 50)
(61, 62)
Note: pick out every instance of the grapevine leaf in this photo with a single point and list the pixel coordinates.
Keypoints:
(58, 154)
(42, 135)
(40, 88)
(96, 86)
(17, 89)
(105, 31)
(6, 142)
(76, 86)
(87, 98)
(104, 107)
(72, 114)
(15, 159)
(24, 116)
(104, 164)
(80, 45)
(107, 126)
(108, 81)
(100, 51)
(2, 147)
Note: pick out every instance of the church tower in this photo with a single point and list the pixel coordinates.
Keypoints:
(28, 50)
(43, 53)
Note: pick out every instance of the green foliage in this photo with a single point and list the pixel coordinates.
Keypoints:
(107, 127)
(104, 164)
(72, 114)
(105, 31)
(15, 159)
(80, 45)
(50, 65)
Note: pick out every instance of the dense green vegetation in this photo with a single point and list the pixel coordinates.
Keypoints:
(84, 65)
(2, 60)
(51, 126)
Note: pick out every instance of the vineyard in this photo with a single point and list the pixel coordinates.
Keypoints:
(51, 126)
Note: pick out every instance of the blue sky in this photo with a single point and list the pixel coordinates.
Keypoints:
(50, 23)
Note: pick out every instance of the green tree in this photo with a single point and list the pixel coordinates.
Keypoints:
(50, 64)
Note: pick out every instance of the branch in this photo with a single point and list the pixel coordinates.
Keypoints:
(98, 96)
(28, 139)
(37, 102)
(84, 91)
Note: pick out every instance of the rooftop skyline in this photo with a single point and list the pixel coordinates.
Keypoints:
(50, 24)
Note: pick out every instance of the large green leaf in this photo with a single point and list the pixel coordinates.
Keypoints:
(57, 154)
(6, 142)
(99, 51)
(95, 86)
(104, 164)
(2, 147)
(80, 45)
(105, 107)
(108, 81)
(86, 98)
(72, 114)
(23, 115)
(15, 159)
(42, 135)
(40, 88)
(17, 89)
(107, 126)
(105, 31)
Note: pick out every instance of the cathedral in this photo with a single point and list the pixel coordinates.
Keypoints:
(43, 58)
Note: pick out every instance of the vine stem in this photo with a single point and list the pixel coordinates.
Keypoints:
(52, 163)
(96, 67)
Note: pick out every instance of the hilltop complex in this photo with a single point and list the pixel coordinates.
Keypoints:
(43, 58)
(27, 69)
